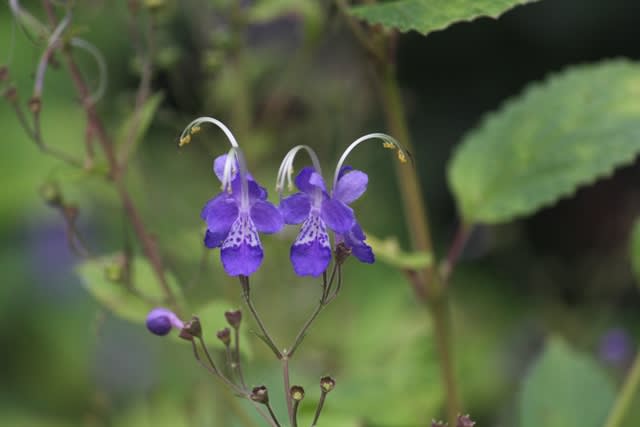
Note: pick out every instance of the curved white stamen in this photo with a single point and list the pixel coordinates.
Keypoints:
(190, 129)
(383, 136)
(285, 171)
(48, 53)
(27, 20)
(100, 62)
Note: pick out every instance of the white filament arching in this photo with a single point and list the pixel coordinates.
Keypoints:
(102, 67)
(354, 144)
(286, 167)
(242, 164)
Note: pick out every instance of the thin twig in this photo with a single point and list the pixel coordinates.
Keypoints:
(266, 337)
(287, 386)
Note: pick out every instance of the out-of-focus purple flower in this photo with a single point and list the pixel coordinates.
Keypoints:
(160, 321)
(317, 210)
(615, 346)
(235, 216)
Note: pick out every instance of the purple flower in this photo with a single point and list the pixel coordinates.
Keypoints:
(160, 321)
(235, 216)
(616, 346)
(317, 211)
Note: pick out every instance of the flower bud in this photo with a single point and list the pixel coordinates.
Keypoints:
(234, 317)
(435, 423)
(341, 253)
(4, 73)
(191, 329)
(260, 394)
(297, 393)
(11, 94)
(327, 384)
(35, 104)
(465, 421)
(160, 321)
(224, 335)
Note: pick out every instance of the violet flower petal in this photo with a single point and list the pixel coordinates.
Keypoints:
(241, 252)
(295, 208)
(338, 216)
(311, 251)
(214, 240)
(351, 186)
(266, 217)
(219, 213)
(308, 180)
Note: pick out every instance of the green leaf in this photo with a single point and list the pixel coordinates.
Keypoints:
(574, 128)
(212, 320)
(426, 16)
(565, 389)
(635, 249)
(136, 125)
(98, 276)
(389, 251)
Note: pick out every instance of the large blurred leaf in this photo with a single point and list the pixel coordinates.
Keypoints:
(130, 304)
(635, 249)
(572, 129)
(388, 370)
(427, 16)
(565, 389)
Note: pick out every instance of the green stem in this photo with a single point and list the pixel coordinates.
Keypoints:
(266, 337)
(428, 283)
(625, 397)
(287, 386)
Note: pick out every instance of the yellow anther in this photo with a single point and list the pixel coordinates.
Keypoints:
(184, 140)
(401, 156)
(195, 130)
(389, 145)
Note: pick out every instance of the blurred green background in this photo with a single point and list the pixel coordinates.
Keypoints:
(296, 76)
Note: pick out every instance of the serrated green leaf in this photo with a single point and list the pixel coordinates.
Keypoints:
(574, 128)
(426, 16)
(137, 125)
(565, 389)
(635, 249)
(388, 251)
(130, 304)
(212, 319)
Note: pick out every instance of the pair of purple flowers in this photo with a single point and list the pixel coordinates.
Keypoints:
(240, 212)
(237, 215)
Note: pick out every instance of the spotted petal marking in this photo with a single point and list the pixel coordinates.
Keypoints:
(241, 252)
(311, 252)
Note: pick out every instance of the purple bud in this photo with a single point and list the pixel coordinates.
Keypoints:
(161, 320)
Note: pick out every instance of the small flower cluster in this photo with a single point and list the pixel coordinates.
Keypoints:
(240, 212)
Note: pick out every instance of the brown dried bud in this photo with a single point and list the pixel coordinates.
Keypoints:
(327, 384)
(465, 421)
(11, 94)
(234, 317)
(35, 104)
(191, 329)
(71, 212)
(341, 253)
(260, 394)
(297, 393)
(224, 335)
(50, 192)
(4, 73)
